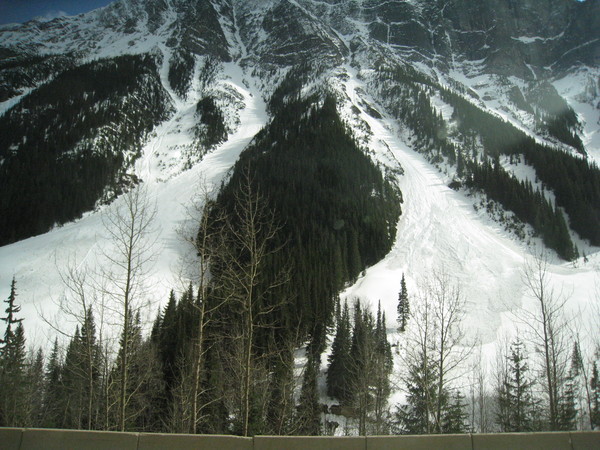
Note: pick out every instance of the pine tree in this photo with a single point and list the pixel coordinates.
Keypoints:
(12, 365)
(455, 416)
(11, 310)
(339, 359)
(167, 342)
(403, 306)
(383, 366)
(595, 394)
(416, 417)
(309, 411)
(34, 389)
(53, 392)
(515, 401)
(12, 379)
(567, 404)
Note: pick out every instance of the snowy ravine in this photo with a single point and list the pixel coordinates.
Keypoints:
(440, 230)
(37, 262)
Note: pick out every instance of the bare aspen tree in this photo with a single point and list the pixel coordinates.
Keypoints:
(480, 396)
(129, 224)
(77, 305)
(207, 243)
(548, 326)
(435, 352)
(251, 232)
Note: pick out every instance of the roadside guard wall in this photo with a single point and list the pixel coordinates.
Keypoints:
(46, 439)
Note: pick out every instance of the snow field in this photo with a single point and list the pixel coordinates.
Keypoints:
(37, 262)
(439, 230)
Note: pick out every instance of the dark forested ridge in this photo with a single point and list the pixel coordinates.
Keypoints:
(337, 212)
(72, 140)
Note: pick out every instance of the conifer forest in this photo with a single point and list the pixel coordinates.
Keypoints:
(301, 217)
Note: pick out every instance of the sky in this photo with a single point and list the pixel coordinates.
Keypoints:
(15, 11)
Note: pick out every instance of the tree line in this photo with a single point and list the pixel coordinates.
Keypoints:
(178, 381)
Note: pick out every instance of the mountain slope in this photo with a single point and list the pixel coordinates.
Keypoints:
(401, 72)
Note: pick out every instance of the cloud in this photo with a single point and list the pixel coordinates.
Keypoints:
(51, 15)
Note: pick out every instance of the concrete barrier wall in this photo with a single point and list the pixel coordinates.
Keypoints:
(33, 439)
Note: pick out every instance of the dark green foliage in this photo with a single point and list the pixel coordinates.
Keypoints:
(454, 419)
(567, 403)
(144, 388)
(574, 181)
(556, 116)
(80, 378)
(309, 409)
(63, 146)
(282, 415)
(340, 359)
(516, 405)
(212, 129)
(403, 306)
(529, 206)
(53, 416)
(416, 416)
(567, 409)
(370, 367)
(12, 366)
(181, 70)
(595, 398)
(175, 335)
(21, 71)
(338, 213)
(11, 310)
(34, 389)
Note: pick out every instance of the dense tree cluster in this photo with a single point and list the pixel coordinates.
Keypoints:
(337, 212)
(574, 181)
(72, 140)
(360, 365)
(21, 71)
(181, 71)
(530, 206)
(211, 129)
(78, 385)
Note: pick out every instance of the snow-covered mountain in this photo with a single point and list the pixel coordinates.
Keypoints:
(170, 92)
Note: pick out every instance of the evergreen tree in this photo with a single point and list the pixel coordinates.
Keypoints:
(81, 376)
(53, 393)
(416, 417)
(383, 366)
(515, 401)
(11, 310)
(595, 398)
(455, 416)
(567, 405)
(167, 342)
(403, 306)
(309, 410)
(12, 366)
(34, 389)
(13, 379)
(339, 359)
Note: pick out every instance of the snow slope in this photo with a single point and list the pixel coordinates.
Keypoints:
(36, 262)
(440, 230)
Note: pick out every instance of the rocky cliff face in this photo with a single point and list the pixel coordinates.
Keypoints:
(502, 55)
